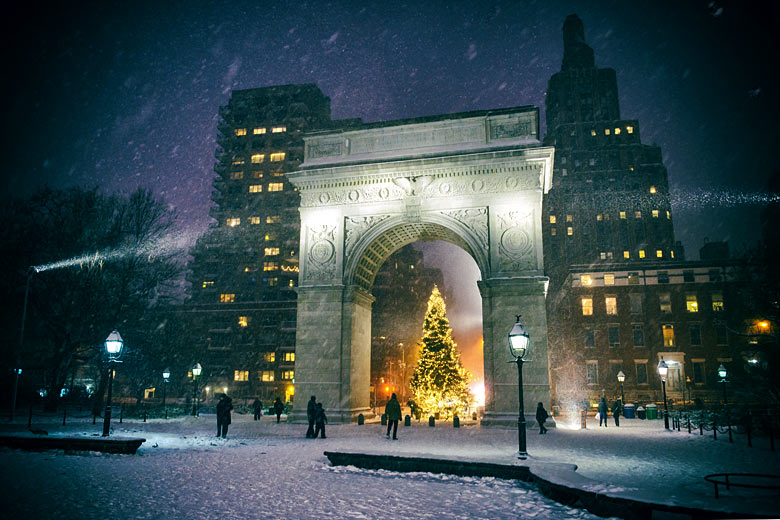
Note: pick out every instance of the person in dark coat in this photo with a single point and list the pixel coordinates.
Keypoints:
(393, 413)
(541, 416)
(278, 409)
(311, 412)
(616, 411)
(320, 419)
(223, 415)
(257, 407)
(603, 411)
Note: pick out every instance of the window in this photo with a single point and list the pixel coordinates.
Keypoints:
(695, 331)
(721, 335)
(609, 279)
(278, 129)
(665, 302)
(691, 303)
(688, 276)
(663, 277)
(633, 278)
(586, 279)
(275, 186)
(254, 220)
(243, 321)
(271, 251)
(652, 190)
(269, 357)
(289, 357)
(255, 188)
(593, 372)
(288, 375)
(637, 214)
(614, 336)
(240, 131)
(622, 215)
(630, 129)
(267, 375)
(553, 220)
(257, 174)
(610, 302)
(614, 368)
(590, 338)
(593, 132)
(636, 303)
(270, 266)
(717, 302)
(668, 332)
(599, 217)
(553, 231)
(587, 306)
(237, 161)
(617, 131)
(714, 275)
(241, 375)
(569, 218)
(273, 219)
(638, 332)
(258, 131)
(569, 230)
(233, 222)
(641, 253)
(626, 255)
(278, 156)
(655, 213)
(641, 372)
(207, 283)
(270, 236)
(603, 255)
(606, 131)
(272, 282)
(227, 298)
(698, 371)
(668, 215)
(236, 175)
(659, 253)
(257, 158)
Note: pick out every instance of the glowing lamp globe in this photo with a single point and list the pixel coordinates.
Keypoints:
(166, 374)
(663, 369)
(196, 370)
(621, 376)
(722, 372)
(114, 344)
(519, 340)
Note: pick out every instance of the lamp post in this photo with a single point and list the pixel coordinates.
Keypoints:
(196, 369)
(622, 377)
(722, 373)
(113, 344)
(166, 377)
(662, 371)
(519, 341)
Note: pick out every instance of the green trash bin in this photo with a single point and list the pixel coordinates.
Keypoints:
(651, 411)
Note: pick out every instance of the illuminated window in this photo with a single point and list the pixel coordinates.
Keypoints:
(569, 218)
(273, 281)
(257, 175)
(603, 255)
(609, 279)
(270, 236)
(609, 255)
(256, 188)
(610, 302)
(623, 215)
(606, 131)
(633, 278)
(257, 158)
(655, 213)
(227, 298)
(267, 375)
(592, 132)
(236, 175)
(665, 302)
(278, 129)
(652, 189)
(258, 131)
(269, 357)
(289, 357)
(617, 131)
(278, 156)
(208, 283)
(691, 303)
(275, 186)
(271, 251)
(593, 372)
(569, 230)
(599, 217)
(626, 254)
(671, 253)
(717, 302)
(273, 219)
(641, 253)
(553, 220)
(240, 131)
(233, 222)
(238, 161)
(254, 220)
(249, 269)
(587, 306)
(243, 321)
(668, 332)
(291, 283)
(668, 215)
(553, 231)
(241, 375)
(270, 266)
(586, 279)
(659, 253)
(288, 375)
(630, 168)
(637, 214)
(630, 129)
(278, 174)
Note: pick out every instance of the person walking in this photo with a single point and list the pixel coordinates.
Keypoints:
(541, 416)
(223, 415)
(311, 413)
(616, 409)
(320, 419)
(278, 409)
(603, 411)
(393, 413)
(257, 407)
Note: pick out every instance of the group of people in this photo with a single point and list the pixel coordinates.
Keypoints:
(315, 414)
(604, 411)
(225, 405)
(278, 409)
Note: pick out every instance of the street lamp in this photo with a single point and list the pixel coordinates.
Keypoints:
(519, 341)
(622, 377)
(113, 345)
(662, 371)
(166, 377)
(722, 373)
(196, 369)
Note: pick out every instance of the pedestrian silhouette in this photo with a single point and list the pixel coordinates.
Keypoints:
(541, 416)
(311, 413)
(320, 419)
(616, 411)
(393, 413)
(278, 409)
(257, 407)
(603, 411)
(223, 415)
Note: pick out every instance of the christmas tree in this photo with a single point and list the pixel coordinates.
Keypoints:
(439, 383)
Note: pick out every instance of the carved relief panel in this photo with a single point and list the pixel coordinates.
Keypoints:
(513, 241)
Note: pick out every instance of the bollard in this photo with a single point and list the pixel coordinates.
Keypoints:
(714, 429)
(121, 413)
(456, 422)
(688, 420)
(64, 413)
(408, 420)
(701, 427)
(678, 423)
(144, 405)
(384, 419)
(93, 417)
(583, 420)
(361, 419)
(431, 421)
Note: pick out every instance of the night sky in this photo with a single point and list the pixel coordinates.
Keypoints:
(127, 95)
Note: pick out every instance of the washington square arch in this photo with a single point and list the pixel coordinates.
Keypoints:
(474, 179)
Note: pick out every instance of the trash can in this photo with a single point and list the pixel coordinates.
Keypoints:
(628, 411)
(640, 412)
(652, 412)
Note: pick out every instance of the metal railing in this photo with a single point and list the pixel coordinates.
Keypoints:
(750, 423)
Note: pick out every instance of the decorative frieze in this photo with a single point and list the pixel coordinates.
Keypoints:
(474, 219)
(515, 241)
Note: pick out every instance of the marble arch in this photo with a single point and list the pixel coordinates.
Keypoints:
(475, 179)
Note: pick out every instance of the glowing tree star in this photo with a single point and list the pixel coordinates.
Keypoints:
(439, 383)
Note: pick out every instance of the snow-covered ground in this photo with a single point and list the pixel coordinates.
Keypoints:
(269, 470)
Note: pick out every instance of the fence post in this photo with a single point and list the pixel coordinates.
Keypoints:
(64, 414)
(94, 417)
(714, 428)
(121, 412)
(701, 427)
(144, 405)
(29, 418)
(688, 420)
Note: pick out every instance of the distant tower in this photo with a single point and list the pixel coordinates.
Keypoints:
(609, 200)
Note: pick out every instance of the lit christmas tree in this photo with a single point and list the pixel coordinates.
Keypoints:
(439, 383)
